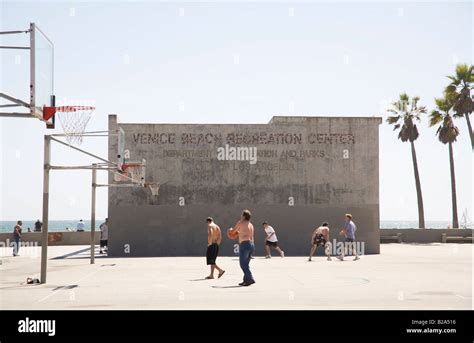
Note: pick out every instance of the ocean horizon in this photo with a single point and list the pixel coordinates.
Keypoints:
(63, 225)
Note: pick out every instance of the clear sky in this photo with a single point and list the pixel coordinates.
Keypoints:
(237, 62)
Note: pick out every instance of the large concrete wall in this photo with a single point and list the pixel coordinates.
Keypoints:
(309, 170)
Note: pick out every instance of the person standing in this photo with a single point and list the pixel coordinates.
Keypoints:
(104, 236)
(80, 226)
(38, 226)
(17, 237)
(245, 230)
(320, 237)
(349, 232)
(214, 238)
(271, 241)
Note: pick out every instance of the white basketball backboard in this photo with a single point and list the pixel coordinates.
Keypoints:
(41, 75)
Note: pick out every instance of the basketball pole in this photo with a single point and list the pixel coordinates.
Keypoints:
(44, 242)
(94, 188)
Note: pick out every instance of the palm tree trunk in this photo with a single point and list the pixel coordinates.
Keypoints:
(471, 134)
(421, 211)
(453, 188)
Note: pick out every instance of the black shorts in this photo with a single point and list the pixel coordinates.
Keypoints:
(271, 244)
(211, 254)
(104, 242)
(319, 240)
(350, 240)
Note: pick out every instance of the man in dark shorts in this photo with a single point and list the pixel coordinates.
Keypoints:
(320, 237)
(214, 238)
(271, 241)
(104, 236)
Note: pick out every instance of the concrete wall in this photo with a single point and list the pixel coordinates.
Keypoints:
(425, 235)
(323, 166)
(54, 238)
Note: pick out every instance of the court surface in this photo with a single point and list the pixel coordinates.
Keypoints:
(403, 276)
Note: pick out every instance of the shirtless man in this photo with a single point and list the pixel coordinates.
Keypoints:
(246, 246)
(213, 240)
(320, 237)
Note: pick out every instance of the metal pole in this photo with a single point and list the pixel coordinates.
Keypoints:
(85, 152)
(94, 187)
(44, 242)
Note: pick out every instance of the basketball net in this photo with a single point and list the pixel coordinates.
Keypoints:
(74, 120)
(154, 188)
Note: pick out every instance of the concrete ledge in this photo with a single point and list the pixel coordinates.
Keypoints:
(427, 235)
(385, 238)
(455, 239)
(54, 238)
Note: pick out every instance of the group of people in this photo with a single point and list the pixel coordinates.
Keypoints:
(320, 238)
(244, 230)
(104, 234)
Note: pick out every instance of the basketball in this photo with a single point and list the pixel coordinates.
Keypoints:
(232, 234)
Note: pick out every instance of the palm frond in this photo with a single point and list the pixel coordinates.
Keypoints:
(404, 97)
(450, 89)
(435, 118)
(462, 72)
(393, 119)
(454, 80)
(422, 109)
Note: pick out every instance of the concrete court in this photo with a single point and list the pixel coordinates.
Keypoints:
(404, 276)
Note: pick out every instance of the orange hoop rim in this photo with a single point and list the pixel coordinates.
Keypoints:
(49, 111)
(125, 166)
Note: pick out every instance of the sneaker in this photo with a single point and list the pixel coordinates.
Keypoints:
(309, 259)
(356, 258)
(101, 252)
(246, 283)
(340, 258)
(329, 258)
(282, 254)
(268, 256)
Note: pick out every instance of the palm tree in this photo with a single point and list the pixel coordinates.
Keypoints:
(406, 113)
(460, 88)
(447, 134)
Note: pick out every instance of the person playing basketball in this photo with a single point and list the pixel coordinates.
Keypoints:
(320, 237)
(349, 233)
(271, 241)
(214, 238)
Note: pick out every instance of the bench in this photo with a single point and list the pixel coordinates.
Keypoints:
(455, 239)
(397, 238)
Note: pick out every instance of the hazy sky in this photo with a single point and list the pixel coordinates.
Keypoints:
(237, 62)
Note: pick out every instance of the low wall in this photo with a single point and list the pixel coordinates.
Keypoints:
(54, 238)
(424, 235)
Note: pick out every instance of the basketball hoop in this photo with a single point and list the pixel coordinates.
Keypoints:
(134, 172)
(73, 119)
(154, 188)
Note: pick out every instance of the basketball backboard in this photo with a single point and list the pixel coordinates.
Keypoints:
(41, 71)
(41, 77)
(122, 153)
